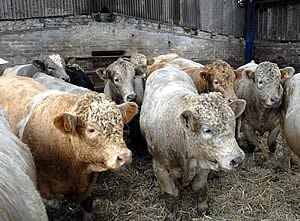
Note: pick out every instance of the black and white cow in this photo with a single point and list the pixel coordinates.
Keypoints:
(53, 65)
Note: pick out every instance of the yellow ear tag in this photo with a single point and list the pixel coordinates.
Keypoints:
(66, 127)
(285, 74)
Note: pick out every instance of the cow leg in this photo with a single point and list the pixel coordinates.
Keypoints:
(272, 139)
(250, 138)
(166, 182)
(199, 185)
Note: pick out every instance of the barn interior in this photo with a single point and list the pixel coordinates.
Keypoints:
(98, 32)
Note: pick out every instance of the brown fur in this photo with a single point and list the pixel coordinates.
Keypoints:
(67, 158)
(205, 78)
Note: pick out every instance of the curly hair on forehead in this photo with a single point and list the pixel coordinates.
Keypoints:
(97, 108)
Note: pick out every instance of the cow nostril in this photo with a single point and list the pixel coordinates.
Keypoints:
(274, 100)
(235, 162)
(131, 97)
(67, 79)
(119, 159)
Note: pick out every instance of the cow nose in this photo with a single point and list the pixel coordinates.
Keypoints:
(235, 162)
(124, 158)
(131, 97)
(65, 78)
(275, 100)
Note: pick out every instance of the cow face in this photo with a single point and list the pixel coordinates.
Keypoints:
(121, 76)
(53, 65)
(221, 78)
(210, 130)
(96, 128)
(267, 79)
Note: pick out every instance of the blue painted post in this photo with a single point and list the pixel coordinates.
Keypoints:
(250, 30)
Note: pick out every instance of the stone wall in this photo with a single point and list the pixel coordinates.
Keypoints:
(21, 41)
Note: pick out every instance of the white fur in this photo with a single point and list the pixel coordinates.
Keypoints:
(57, 59)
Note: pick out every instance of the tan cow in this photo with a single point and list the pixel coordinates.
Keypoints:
(72, 137)
(218, 76)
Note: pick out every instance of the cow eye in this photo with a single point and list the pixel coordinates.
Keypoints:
(207, 130)
(216, 82)
(260, 82)
(117, 80)
(51, 68)
(134, 78)
(91, 130)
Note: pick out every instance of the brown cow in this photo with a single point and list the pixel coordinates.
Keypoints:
(218, 76)
(72, 137)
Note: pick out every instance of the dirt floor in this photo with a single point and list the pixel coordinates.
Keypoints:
(259, 190)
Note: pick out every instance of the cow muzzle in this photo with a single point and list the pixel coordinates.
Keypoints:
(131, 97)
(120, 160)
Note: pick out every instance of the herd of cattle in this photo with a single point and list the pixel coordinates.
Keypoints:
(57, 133)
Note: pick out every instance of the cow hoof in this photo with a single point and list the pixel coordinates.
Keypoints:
(202, 207)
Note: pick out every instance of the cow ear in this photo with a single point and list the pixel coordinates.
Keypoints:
(287, 72)
(205, 76)
(66, 123)
(249, 74)
(188, 120)
(150, 61)
(39, 64)
(238, 74)
(128, 111)
(238, 106)
(102, 73)
(140, 70)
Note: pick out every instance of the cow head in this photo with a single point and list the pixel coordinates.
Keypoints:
(121, 76)
(267, 83)
(138, 59)
(209, 126)
(53, 65)
(95, 127)
(220, 77)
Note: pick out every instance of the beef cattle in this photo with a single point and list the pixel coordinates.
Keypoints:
(79, 77)
(187, 134)
(216, 77)
(72, 137)
(290, 113)
(120, 82)
(19, 198)
(53, 83)
(53, 65)
(262, 91)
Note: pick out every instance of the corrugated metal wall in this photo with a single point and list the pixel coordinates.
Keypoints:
(219, 16)
(278, 22)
